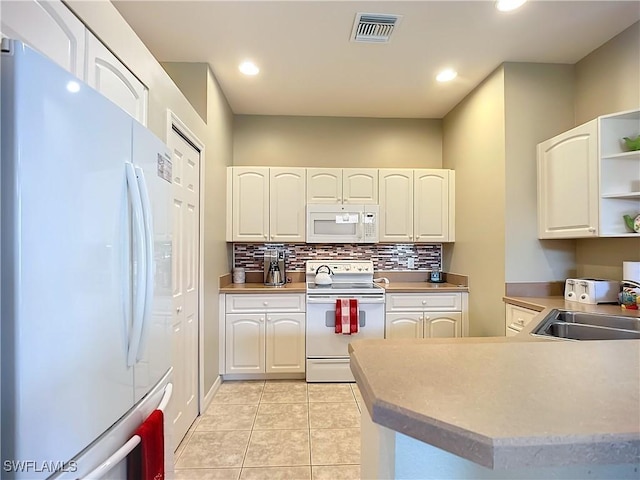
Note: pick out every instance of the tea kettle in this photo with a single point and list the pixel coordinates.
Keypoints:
(323, 278)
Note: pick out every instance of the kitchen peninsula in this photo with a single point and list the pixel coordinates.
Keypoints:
(499, 408)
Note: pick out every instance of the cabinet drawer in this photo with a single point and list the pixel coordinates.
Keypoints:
(276, 302)
(518, 317)
(403, 302)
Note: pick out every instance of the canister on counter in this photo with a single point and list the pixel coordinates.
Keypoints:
(238, 275)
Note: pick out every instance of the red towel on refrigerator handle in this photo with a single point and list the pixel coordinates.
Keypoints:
(146, 461)
(347, 316)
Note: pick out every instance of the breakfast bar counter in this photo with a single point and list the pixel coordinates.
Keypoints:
(499, 407)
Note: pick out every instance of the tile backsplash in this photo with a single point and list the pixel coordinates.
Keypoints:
(384, 256)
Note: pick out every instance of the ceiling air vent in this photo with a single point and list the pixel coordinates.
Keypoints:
(374, 27)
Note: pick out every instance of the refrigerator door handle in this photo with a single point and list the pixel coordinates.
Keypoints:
(141, 271)
(128, 447)
(149, 275)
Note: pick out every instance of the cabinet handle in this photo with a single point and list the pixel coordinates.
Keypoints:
(521, 321)
(339, 199)
(592, 229)
(424, 302)
(268, 319)
(265, 303)
(261, 319)
(178, 310)
(265, 235)
(427, 317)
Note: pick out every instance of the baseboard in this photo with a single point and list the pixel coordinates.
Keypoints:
(208, 398)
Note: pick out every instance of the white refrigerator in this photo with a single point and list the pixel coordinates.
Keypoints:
(86, 296)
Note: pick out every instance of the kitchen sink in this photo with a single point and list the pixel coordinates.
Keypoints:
(588, 326)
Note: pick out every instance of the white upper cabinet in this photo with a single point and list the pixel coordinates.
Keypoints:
(588, 180)
(111, 77)
(417, 205)
(434, 197)
(396, 205)
(266, 204)
(324, 185)
(360, 186)
(287, 204)
(250, 204)
(568, 184)
(49, 27)
(342, 185)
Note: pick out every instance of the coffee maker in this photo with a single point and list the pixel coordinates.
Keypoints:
(275, 274)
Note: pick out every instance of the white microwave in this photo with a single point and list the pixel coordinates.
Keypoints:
(342, 223)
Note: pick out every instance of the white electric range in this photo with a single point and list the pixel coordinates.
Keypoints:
(327, 351)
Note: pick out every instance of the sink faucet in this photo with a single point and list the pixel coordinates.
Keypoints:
(630, 283)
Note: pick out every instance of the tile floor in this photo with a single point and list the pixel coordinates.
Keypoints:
(275, 429)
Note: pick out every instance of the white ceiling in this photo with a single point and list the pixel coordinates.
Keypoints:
(310, 67)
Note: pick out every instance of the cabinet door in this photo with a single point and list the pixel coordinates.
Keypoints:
(431, 205)
(403, 325)
(568, 184)
(244, 343)
(516, 318)
(360, 186)
(396, 205)
(111, 77)
(287, 215)
(49, 27)
(250, 204)
(324, 185)
(442, 325)
(285, 344)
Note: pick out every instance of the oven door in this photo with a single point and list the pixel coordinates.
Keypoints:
(323, 342)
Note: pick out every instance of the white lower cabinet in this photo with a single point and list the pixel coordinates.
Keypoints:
(424, 325)
(442, 315)
(516, 318)
(262, 334)
(245, 343)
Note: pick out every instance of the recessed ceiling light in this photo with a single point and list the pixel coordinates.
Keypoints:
(508, 5)
(249, 68)
(446, 75)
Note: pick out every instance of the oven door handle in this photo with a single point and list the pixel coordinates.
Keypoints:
(331, 299)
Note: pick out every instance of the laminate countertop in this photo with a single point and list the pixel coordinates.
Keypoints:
(507, 402)
(294, 287)
(301, 287)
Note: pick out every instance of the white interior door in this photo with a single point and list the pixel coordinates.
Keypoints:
(186, 194)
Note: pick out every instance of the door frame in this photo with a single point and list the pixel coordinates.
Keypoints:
(174, 122)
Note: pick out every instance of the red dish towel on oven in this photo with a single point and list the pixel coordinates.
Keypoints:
(347, 321)
(146, 461)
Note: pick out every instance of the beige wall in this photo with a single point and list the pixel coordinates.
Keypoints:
(337, 142)
(608, 81)
(473, 145)
(105, 21)
(191, 79)
(538, 105)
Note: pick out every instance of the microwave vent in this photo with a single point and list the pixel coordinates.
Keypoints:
(374, 27)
